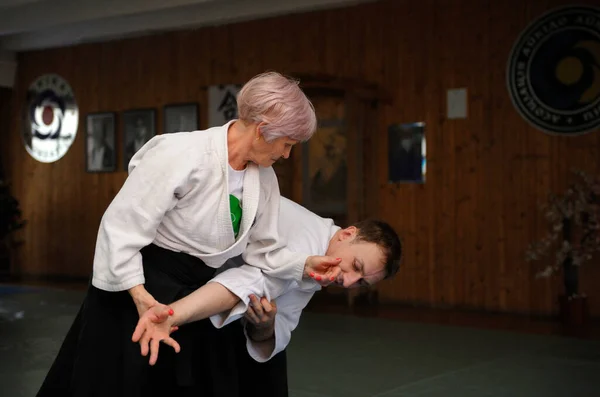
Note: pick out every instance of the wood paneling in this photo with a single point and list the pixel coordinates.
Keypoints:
(5, 112)
(464, 230)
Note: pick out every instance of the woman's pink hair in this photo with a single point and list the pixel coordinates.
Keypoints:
(279, 102)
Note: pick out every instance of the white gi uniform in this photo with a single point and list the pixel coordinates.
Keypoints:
(304, 232)
(176, 220)
(177, 197)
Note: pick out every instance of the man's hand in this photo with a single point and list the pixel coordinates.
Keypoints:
(155, 326)
(323, 269)
(261, 318)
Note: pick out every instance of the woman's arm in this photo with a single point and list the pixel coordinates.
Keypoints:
(224, 299)
(215, 299)
(144, 301)
(206, 301)
(156, 324)
(159, 174)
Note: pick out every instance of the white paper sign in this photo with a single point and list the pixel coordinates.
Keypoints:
(457, 103)
(222, 105)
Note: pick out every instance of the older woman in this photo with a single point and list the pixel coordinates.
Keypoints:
(192, 201)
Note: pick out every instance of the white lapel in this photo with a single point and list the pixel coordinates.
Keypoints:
(225, 228)
(250, 197)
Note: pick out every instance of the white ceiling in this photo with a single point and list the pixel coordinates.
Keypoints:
(38, 24)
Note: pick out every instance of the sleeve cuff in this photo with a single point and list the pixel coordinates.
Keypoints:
(222, 319)
(262, 351)
(116, 287)
(299, 270)
(243, 292)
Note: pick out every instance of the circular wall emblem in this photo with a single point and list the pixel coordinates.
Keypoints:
(51, 118)
(554, 71)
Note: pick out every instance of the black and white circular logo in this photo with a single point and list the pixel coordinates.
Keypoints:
(51, 118)
(554, 71)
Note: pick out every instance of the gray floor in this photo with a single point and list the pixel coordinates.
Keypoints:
(346, 356)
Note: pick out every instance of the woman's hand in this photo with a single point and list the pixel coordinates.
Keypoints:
(144, 301)
(152, 327)
(323, 269)
(155, 326)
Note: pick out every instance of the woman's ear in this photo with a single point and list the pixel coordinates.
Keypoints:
(258, 134)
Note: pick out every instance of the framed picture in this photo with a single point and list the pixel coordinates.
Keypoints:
(406, 153)
(100, 153)
(325, 170)
(139, 126)
(181, 117)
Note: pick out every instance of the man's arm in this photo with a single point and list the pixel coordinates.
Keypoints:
(267, 247)
(224, 299)
(269, 332)
(277, 336)
(261, 334)
(260, 322)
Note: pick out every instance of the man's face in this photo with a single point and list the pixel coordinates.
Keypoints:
(362, 262)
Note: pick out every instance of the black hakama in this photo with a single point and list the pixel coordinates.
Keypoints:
(98, 358)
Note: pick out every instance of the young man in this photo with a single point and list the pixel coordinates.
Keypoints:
(370, 251)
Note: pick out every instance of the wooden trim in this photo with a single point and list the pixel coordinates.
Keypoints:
(342, 86)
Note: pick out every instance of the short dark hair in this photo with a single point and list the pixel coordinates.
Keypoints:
(381, 233)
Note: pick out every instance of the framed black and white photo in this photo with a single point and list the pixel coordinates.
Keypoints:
(181, 118)
(406, 153)
(139, 126)
(100, 153)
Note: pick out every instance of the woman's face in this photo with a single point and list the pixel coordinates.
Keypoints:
(265, 154)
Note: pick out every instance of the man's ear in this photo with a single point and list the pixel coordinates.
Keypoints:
(348, 233)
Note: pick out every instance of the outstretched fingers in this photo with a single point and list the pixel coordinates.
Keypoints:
(139, 330)
(155, 346)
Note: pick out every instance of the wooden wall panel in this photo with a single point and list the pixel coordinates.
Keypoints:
(5, 113)
(465, 229)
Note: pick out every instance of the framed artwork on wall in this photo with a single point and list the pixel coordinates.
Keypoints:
(180, 117)
(139, 126)
(100, 151)
(406, 153)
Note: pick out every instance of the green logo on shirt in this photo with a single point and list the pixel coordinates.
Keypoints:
(236, 213)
